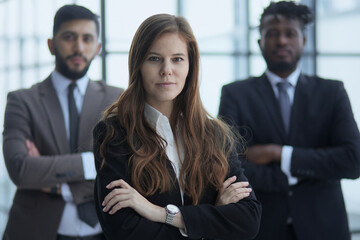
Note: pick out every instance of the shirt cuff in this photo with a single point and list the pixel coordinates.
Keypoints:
(88, 165)
(286, 155)
(183, 232)
(66, 193)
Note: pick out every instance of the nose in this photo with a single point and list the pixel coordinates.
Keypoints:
(282, 39)
(79, 45)
(166, 69)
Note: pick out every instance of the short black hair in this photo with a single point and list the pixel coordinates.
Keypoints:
(289, 10)
(74, 12)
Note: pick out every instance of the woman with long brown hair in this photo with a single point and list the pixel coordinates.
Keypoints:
(166, 168)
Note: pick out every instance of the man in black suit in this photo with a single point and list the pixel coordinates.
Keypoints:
(301, 135)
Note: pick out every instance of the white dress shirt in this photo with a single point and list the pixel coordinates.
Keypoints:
(286, 152)
(70, 224)
(162, 126)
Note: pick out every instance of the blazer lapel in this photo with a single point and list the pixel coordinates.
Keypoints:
(90, 113)
(51, 104)
(265, 91)
(303, 91)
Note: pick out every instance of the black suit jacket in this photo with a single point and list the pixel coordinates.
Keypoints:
(234, 221)
(326, 144)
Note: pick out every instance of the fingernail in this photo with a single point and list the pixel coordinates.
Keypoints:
(103, 203)
(104, 209)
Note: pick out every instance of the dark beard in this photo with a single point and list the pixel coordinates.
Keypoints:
(63, 68)
(281, 66)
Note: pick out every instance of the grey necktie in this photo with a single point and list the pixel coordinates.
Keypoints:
(284, 102)
(86, 211)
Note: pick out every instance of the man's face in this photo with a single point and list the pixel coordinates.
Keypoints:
(282, 43)
(75, 45)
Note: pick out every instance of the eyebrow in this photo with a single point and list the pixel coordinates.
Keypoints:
(174, 54)
(75, 33)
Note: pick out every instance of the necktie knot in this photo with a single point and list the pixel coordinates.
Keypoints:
(283, 85)
(72, 86)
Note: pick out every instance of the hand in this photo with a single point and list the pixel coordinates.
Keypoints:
(123, 196)
(31, 148)
(232, 192)
(264, 154)
(53, 190)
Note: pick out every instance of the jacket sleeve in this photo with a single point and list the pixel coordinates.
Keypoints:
(33, 172)
(126, 224)
(339, 156)
(234, 221)
(239, 220)
(267, 178)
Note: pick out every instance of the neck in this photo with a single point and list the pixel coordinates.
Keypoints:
(283, 73)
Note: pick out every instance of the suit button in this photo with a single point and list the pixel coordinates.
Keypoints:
(290, 193)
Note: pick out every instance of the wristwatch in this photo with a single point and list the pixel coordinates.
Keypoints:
(171, 211)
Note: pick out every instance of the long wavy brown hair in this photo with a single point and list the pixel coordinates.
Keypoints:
(207, 140)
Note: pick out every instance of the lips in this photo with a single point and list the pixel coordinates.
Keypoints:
(77, 60)
(165, 84)
(282, 52)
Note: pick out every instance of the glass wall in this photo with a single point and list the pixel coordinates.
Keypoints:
(227, 34)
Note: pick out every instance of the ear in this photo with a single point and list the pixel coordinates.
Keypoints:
(51, 46)
(98, 48)
(304, 40)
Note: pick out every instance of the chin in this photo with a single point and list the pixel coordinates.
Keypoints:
(281, 66)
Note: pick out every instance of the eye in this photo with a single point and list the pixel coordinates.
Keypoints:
(291, 34)
(272, 34)
(88, 38)
(178, 59)
(153, 59)
(68, 37)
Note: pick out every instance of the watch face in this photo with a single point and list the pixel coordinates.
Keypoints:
(172, 208)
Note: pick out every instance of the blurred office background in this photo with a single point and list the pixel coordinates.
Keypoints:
(227, 34)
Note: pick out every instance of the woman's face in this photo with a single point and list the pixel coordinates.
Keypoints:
(164, 71)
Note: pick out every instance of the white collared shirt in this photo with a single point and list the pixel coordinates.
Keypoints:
(162, 126)
(70, 224)
(286, 152)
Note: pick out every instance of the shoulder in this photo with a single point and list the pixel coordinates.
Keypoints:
(239, 82)
(27, 93)
(101, 85)
(104, 126)
(326, 82)
(241, 85)
(322, 85)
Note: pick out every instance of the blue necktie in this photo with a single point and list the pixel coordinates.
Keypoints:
(284, 102)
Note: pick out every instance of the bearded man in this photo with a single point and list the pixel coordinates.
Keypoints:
(48, 138)
(301, 135)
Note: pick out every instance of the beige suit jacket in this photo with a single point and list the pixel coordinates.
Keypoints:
(36, 114)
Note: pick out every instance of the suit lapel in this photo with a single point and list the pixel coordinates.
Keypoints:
(265, 91)
(90, 113)
(303, 91)
(51, 104)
